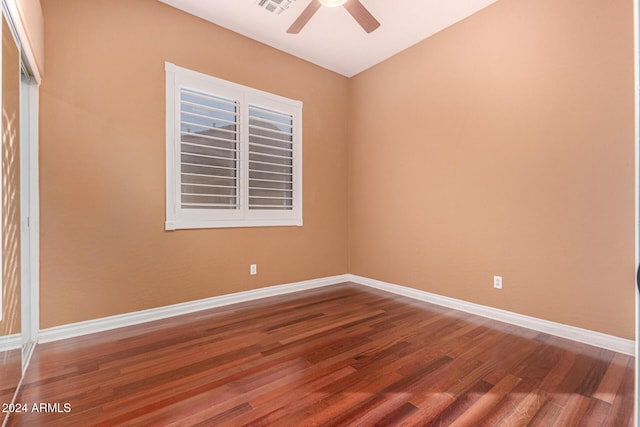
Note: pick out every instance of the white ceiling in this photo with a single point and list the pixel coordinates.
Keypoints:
(332, 38)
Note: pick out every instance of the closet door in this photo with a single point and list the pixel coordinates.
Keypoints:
(10, 348)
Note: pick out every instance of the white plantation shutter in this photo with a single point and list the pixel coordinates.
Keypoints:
(209, 152)
(271, 177)
(233, 154)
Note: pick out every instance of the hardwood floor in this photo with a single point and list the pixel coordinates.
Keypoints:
(10, 371)
(342, 355)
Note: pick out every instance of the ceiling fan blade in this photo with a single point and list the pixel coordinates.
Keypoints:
(304, 17)
(362, 15)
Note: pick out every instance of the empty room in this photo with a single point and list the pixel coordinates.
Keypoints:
(319, 212)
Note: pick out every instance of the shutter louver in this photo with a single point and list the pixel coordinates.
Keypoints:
(209, 151)
(271, 163)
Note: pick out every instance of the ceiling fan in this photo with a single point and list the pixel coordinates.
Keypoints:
(354, 7)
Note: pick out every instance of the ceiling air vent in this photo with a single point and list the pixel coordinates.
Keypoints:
(275, 6)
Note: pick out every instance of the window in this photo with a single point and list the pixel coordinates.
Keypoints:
(233, 154)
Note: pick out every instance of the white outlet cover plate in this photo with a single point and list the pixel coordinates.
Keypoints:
(497, 282)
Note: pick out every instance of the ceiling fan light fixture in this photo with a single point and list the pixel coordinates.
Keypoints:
(354, 7)
(332, 3)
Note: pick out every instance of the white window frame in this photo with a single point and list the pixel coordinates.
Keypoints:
(179, 218)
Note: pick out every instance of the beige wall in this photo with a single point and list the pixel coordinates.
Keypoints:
(104, 250)
(503, 145)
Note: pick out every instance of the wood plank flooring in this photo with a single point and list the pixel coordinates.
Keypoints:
(344, 355)
(10, 372)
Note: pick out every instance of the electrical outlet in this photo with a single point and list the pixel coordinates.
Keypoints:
(254, 269)
(497, 282)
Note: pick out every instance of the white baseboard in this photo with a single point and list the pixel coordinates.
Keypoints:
(118, 321)
(112, 322)
(10, 342)
(586, 336)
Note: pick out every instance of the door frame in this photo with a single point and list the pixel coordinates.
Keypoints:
(29, 217)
